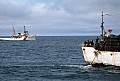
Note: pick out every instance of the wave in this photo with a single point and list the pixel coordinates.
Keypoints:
(79, 66)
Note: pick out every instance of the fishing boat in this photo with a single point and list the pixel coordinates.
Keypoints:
(105, 50)
(20, 36)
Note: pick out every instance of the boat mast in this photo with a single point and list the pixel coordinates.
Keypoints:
(102, 26)
(14, 33)
(25, 32)
(24, 29)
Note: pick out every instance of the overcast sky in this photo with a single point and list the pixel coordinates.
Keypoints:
(59, 17)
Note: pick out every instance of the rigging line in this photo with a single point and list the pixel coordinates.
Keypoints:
(96, 54)
(115, 13)
(93, 60)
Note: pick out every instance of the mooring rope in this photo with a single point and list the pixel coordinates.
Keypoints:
(96, 54)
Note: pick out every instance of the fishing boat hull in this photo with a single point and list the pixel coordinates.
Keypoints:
(31, 38)
(93, 57)
(21, 38)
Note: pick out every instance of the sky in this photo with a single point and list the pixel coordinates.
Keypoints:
(59, 17)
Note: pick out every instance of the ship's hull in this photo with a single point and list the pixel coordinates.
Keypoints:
(93, 56)
(21, 38)
(31, 38)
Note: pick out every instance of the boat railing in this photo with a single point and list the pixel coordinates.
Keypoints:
(88, 44)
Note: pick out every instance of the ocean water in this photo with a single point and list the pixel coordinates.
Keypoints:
(50, 59)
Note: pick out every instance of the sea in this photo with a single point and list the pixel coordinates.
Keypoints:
(50, 58)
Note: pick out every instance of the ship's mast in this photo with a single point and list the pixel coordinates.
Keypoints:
(25, 32)
(24, 29)
(102, 26)
(14, 33)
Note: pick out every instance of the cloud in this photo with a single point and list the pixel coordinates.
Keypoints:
(61, 17)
